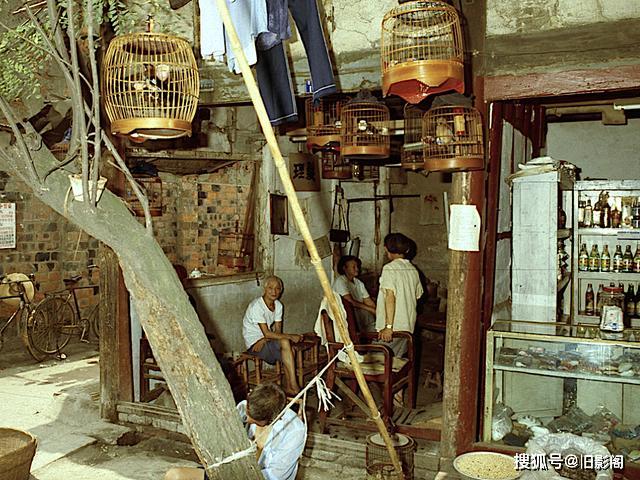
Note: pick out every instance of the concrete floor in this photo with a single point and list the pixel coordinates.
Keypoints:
(58, 402)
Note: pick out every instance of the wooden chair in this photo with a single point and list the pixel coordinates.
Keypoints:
(391, 373)
(307, 357)
(253, 371)
(149, 370)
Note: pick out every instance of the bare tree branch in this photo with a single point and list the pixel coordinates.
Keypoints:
(8, 113)
(95, 99)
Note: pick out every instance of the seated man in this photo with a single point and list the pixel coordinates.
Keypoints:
(262, 332)
(279, 446)
(349, 287)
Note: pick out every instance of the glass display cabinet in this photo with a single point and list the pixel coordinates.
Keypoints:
(544, 375)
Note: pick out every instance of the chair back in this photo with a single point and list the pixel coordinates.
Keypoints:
(352, 323)
(327, 324)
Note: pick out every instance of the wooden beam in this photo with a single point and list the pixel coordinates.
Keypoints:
(109, 274)
(463, 336)
(569, 82)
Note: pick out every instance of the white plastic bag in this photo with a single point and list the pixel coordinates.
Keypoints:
(501, 423)
(560, 443)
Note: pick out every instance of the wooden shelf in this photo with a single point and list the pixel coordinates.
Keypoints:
(567, 374)
(609, 276)
(610, 232)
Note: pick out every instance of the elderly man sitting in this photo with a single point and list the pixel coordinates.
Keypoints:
(262, 332)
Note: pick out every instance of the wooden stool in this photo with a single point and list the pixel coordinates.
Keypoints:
(307, 357)
(258, 374)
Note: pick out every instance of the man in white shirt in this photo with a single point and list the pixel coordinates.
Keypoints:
(262, 332)
(279, 446)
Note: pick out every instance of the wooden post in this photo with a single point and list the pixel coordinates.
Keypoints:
(463, 332)
(109, 374)
(301, 222)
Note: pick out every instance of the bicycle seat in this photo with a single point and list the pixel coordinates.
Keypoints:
(72, 280)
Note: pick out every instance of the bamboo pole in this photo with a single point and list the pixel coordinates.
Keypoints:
(263, 118)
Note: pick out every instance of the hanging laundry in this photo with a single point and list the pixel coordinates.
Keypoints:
(278, 24)
(274, 78)
(250, 20)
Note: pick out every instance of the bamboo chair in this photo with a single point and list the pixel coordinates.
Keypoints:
(392, 374)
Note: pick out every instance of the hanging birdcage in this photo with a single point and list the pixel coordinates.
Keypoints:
(452, 139)
(152, 186)
(364, 129)
(421, 50)
(150, 85)
(334, 166)
(365, 173)
(323, 122)
(412, 156)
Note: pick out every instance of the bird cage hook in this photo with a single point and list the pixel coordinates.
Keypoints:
(150, 23)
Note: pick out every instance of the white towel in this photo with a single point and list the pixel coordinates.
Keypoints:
(319, 327)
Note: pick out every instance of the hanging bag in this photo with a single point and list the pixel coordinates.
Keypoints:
(339, 234)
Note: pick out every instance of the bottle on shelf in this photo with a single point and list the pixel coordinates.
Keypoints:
(589, 301)
(635, 214)
(597, 211)
(583, 258)
(581, 204)
(616, 263)
(599, 299)
(605, 214)
(605, 259)
(616, 217)
(636, 261)
(627, 260)
(588, 214)
(594, 259)
(637, 300)
(629, 306)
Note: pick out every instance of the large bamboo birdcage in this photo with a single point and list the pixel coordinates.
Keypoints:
(453, 139)
(364, 129)
(334, 165)
(412, 155)
(421, 50)
(323, 122)
(150, 85)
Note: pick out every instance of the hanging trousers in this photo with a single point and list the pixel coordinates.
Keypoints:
(274, 78)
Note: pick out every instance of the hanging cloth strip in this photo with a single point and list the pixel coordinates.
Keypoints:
(250, 20)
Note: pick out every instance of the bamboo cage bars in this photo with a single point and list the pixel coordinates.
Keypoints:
(421, 50)
(150, 86)
(412, 155)
(453, 139)
(303, 227)
(334, 166)
(323, 122)
(364, 129)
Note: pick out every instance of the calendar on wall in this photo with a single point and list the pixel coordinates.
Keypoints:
(7, 225)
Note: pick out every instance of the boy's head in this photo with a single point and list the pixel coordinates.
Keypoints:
(264, 403)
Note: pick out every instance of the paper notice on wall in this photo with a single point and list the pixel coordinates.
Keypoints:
(7, 225)
(464, 228)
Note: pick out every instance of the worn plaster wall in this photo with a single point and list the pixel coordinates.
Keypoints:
(422, 219)
(601, 151)
(522, 16)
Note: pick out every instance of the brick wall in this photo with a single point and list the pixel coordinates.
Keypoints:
(46, 243)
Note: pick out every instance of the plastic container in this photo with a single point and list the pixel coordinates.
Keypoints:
(612, 312)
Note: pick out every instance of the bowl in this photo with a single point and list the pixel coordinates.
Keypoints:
(486, 466)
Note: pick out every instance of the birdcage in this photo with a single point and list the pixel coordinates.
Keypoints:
(378, 462)
(364, 128)
(334, 166)
(412, 156)
(235, 250)
(323, 122)
(365, 173)
(150, 85)
(151, 185)
(421, 50)
(452, 139)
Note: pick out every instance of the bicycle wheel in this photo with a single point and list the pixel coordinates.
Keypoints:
(25, 320)
(51, 325)
(94, 321)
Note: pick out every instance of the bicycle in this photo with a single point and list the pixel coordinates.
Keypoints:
(58, 317)
(17, 290)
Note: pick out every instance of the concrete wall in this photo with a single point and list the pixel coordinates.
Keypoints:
(522, 16)
(601, 151)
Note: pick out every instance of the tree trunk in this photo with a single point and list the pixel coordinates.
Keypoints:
(197, 383)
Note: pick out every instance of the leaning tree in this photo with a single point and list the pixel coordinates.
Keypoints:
(62, 37)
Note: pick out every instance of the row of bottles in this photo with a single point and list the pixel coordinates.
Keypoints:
(628, 301)
(602, 214)
(619, 263)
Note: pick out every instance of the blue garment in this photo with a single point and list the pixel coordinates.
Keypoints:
(279, 28)
(284, 445)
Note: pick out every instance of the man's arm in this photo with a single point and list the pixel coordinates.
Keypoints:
(386, 334)
(275, 335)
(369, 306)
